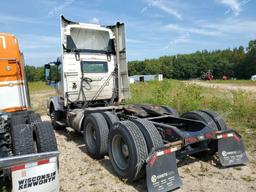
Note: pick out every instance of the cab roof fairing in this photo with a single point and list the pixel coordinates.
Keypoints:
(88, 26)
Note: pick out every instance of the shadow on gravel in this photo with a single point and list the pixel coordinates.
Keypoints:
(210, 159)
(71, 135)
(138, 185)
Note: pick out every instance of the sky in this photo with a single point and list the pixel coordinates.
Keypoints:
(153, 27)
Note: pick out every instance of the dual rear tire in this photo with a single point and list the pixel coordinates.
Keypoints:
(36, 136)
(95, 135)
(127, 143)
(212, 120)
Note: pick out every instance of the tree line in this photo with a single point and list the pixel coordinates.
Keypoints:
(237, 63)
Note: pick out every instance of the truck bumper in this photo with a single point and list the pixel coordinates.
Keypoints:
(8, 162)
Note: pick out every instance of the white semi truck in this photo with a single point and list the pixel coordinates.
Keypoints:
(92, 84)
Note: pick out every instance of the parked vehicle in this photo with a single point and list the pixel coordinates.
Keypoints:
(28, 148)
(208, 76)
(253, 78)
(92, 84)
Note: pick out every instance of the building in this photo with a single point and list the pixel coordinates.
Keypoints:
(253, 78)
(143, 78)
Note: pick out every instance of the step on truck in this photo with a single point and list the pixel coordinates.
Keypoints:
(28, 148)
(141, 140)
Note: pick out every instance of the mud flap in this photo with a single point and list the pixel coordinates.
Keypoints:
(162, 172)
(231, 149)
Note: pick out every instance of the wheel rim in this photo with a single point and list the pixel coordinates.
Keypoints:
(90, 136)
(120, 152)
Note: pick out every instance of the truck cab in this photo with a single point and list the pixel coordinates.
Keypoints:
(92, 57)
(13, 88)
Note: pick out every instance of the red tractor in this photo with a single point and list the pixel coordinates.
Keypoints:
(207, 76)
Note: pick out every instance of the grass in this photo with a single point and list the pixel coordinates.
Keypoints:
(236, 107)
(38, 86)
(236, 82)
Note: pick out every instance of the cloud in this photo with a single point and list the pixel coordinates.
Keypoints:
(33, 41)
(7, 19)
(233, 26)
(40, 58)
(184, 38)
(227, 28)
(58, 10)
(241, 4)
(135, 41)
(165, 6)
(95, 20)
(195, 30)
(232, 5)
(39, 49)
(48, 2)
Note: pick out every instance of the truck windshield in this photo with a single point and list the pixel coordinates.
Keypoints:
(89, 39)
(94, 67)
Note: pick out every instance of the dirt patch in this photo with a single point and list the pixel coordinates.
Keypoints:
(234, 87)
(39, 101)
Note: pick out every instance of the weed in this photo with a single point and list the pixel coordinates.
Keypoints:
(248, 178)
(238, 108)
(38, 86)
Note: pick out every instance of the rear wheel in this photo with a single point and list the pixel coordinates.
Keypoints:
(217, 119)
(22, 139)
(150, 133)
(44, 137)
(18, 119)
(201, 116)
(96, 135)
(170, 110)
(34, 117)
(127, 150)
(110, 118)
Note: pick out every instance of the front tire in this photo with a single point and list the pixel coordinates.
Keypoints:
(55, 117)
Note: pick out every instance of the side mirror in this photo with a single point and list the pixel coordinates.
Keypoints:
(51, 73)
(47, 74)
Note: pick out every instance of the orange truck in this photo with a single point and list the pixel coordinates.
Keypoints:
(28, 148)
